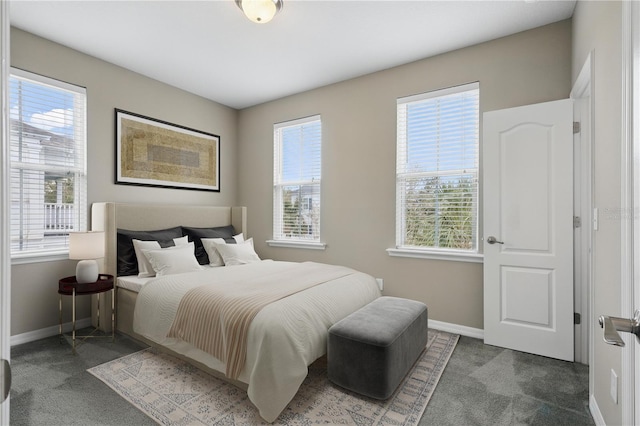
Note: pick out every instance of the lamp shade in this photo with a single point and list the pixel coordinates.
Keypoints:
(86, 245)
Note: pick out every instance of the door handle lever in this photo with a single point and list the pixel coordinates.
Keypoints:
(612, 325)
(493, 240)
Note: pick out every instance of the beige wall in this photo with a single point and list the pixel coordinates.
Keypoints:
(34, 299)
(358, 156)
(597, 28)
(359, 140)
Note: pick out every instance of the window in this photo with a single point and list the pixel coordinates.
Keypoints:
(48, 164)
(437, 171)
(297, 176)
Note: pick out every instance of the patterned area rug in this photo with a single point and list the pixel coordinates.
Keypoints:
(172, 392)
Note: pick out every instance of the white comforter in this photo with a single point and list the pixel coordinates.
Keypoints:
(284, 337)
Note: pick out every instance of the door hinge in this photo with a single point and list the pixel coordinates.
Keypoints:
(577, 222)
(577, 318)
(576, 127)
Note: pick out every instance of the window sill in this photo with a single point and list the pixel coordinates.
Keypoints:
(23, 259)
(310, 245)
(437, 255)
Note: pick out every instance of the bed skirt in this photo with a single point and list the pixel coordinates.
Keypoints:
(125, 304)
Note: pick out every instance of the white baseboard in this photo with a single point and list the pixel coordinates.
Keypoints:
(86, 322)
(31, 336)
(463, 330)
(595, 411)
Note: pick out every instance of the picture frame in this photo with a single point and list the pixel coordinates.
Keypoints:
(152, 152)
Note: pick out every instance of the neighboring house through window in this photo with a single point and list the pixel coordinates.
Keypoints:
(297, 180)
(48, 164)
(437, 171)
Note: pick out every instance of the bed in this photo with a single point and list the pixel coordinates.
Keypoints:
(283, 335)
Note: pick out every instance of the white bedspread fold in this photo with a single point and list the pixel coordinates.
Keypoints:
(282, 340)
(216, 317)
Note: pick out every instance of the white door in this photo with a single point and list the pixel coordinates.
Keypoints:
(528, 228)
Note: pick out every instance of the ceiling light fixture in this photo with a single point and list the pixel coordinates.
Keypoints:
(260, 11)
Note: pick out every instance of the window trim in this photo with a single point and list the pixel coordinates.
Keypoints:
(58, 253)
(475, 255)
(442, 254)
(299, 243)
(51, 256)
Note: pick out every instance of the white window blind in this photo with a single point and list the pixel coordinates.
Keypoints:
(437, 170)
(48, 163)
(297, 178)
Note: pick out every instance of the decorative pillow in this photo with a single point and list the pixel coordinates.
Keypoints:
(173, 260)
(144, 267)
(238, 254)
(210, 246)
(127, 262)
(196, 235)
(181, 241)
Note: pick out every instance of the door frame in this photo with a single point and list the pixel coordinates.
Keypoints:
(5, 254)
(629, 221)
(581, 94)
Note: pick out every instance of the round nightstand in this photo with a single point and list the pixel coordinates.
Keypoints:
(68, 286)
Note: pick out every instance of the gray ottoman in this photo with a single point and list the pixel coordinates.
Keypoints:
(371, 350)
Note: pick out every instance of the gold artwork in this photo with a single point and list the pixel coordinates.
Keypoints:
(153, 152)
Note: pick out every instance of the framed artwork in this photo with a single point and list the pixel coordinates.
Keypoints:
(156, 153)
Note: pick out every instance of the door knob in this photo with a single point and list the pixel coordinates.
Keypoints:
(493, 240)
(612, 325)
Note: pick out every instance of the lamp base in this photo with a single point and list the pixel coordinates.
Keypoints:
(87, 271)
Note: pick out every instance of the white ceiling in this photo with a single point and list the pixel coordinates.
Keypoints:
(211, 49)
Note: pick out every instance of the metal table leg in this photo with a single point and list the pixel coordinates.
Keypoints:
(113, 314)
(73, 320)
(60, 316)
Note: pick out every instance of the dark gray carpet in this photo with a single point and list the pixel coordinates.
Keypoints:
(481, 385)
(52, 387)
(487, 385)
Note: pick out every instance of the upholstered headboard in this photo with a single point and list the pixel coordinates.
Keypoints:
(108, 217)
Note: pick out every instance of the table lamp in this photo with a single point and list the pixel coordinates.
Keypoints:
(86, 247)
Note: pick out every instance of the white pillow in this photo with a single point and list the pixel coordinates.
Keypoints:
(181, 241)
(238, 254)
(210, 246)
(173, 260)
(144, 267)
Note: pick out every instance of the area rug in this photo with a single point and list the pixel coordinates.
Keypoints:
(173, 392)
